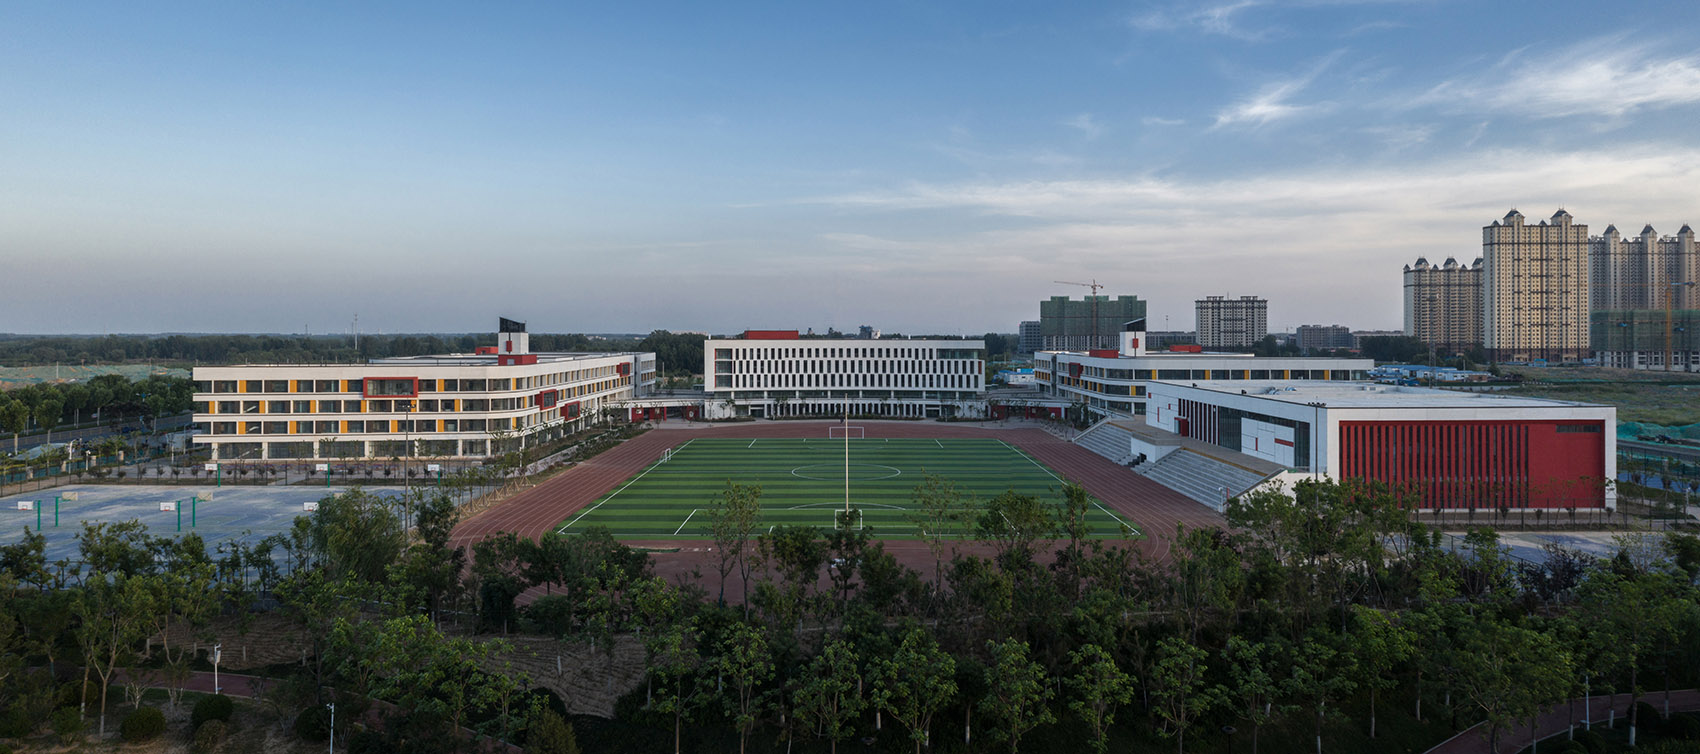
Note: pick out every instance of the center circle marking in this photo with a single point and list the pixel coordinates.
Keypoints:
(856, 469)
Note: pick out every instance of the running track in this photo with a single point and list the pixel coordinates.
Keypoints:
(1155, 509)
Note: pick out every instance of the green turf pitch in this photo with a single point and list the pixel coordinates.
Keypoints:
(802, 483)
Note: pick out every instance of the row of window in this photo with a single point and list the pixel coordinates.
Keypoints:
(425, 385)
(381, 406)
(852, 352)
(361, 426)
(945, 381)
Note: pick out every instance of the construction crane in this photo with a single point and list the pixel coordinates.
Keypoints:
(1094, 286)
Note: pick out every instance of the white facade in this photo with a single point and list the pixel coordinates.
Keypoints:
(453, 406)
(1116, 385)
(1231, 323)
(1535, 289)
(772, 375)
(1443, 304)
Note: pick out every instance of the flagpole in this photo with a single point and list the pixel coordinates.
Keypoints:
(847, 463)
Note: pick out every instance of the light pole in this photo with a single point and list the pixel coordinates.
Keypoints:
(218, 654)
(332, 707)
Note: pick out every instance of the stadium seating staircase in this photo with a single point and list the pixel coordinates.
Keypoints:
(1200, 477)
(1109, 441)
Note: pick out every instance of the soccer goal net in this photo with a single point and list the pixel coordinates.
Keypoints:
(850, 519)
(840, 433)
(666, 454)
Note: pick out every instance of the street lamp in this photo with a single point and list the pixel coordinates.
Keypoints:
(332, 707)
(218, 653)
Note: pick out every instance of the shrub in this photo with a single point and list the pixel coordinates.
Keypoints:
(1648, 717)
(313, 724)
(145, 724)
(208, 736)
(68, 723)
(1683, 726)
(1591, 741)
(216, 707)
(16, 723)
(551, 735)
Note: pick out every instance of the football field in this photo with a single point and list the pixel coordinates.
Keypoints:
(802, 483)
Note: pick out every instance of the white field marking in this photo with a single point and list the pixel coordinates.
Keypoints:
(752, 444)
(623, 487)
(940, 444)
(836, 503)
(1095, 504)
(686, 521)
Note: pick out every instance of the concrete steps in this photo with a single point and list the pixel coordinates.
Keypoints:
(1109, 441)
(1199, 477)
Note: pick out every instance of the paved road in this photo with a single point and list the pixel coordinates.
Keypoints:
(1556, 720)
(25, 442)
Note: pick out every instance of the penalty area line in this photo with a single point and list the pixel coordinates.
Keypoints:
(686, 521)
(623, 487)
(1095, 503)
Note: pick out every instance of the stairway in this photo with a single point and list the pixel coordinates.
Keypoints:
(1200, 477)
(1109, 441)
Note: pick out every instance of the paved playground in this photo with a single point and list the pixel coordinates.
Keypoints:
(244, 513)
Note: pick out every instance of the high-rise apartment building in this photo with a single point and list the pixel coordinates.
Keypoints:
(1535, 289)
(1324, 337)
(1093, 322)
(1443, 304)
(1636, 272)
(1032, 337)
(1232, 323)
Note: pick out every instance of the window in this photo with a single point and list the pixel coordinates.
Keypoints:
(277, 428)
(451, 425)
(224, 386)
(377, 425)
(303, 407)
(450, 386)
(277, 407)
(325, 386)
(378, 407)
(324, 428)
(1587, 428)
(330, 407)
(427, 386)
(250, 407)
(251, 386)
(277, 386)
(391, 387)
(357, 425)
(229, 407)
(303, 386)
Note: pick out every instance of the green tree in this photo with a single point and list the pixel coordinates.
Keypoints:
(113, 612)
(1320, 674)
(742, 658)
(551, 734)
(356, 534)
(1512, 673)
(829, 696)
(732, 517)
(1180, 692)
(914, 683)
(1380, 646)
(1629, 620)
(1099, 686)
(937, 513)
(1253, 669)
(1013, 522)
(15, 416)
(673, 663)
(47, 415)
(1018, 693)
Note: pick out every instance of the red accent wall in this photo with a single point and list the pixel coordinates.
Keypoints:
(1186, 349)
(770, 335)
(1485, 464)
(484, 350)
(547, 399)
(1103, 353)
(510, 359)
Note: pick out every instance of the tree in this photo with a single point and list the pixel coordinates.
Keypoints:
(938, 514)
(1099, 687)
(1380, 645)
(732, 517)
(1627, 617)
(1320, 674)
(551, 734)
(830, 696)
(1512, 673)
(47, 415)
(1179, 690)
(1018, 692)
(743, 660)
(1252, 668)
(673, 663)
(15, 417)
(914, 683)
(1013, 523)
(113, 611)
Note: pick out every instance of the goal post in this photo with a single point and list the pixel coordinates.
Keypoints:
(850, 519)
(844, 433)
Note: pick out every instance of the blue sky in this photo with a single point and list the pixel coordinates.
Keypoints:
(920, 167)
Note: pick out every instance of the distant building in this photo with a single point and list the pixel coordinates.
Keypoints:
(867, 332)
(1232, 323)
(1162, 339)
(1635, 339)
(1359, 335)
(1032, 337)
(1022, 376)
(1636, 273)
(1091, 322)
(1416, 374)
(1535, 289)
(1324, 337)
(1443, 304)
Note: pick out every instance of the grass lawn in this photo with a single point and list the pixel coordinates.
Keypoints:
(802, 483)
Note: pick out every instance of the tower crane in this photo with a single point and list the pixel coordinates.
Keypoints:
(1094, 285)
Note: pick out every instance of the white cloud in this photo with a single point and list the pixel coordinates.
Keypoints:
(1271, 103)
(1152, 120)
(1604, 77)
(1210, 18)
(1086, 124)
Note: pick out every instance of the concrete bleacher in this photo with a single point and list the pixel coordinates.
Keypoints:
(1207, 479)
(1108, 440)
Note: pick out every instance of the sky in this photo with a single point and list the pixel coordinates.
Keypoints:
(919, 167)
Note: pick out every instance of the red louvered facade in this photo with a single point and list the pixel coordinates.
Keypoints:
(1482, 464)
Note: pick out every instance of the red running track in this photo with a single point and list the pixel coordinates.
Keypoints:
(1155, 509)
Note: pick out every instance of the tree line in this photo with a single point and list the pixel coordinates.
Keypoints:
(1327, 619)
(43, 407)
